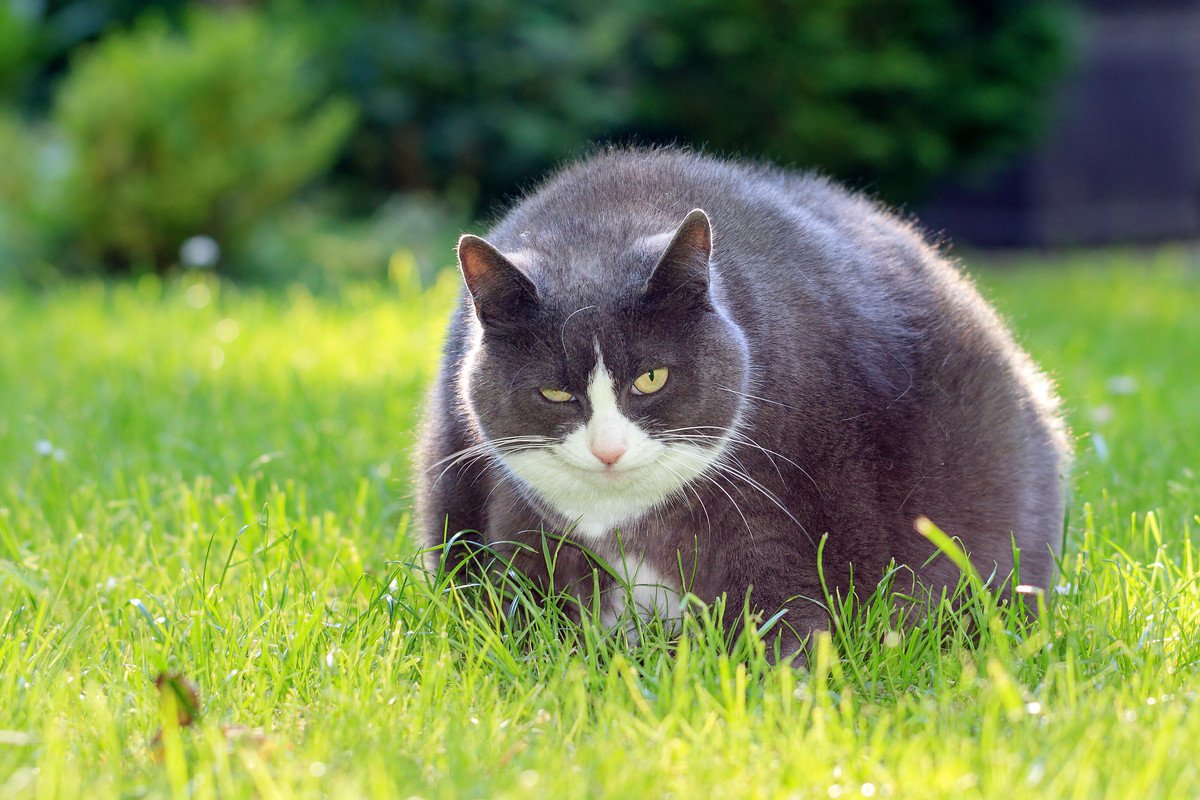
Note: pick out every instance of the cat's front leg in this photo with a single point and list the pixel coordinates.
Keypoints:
(791, 636)
(559, 570)
(766, 576)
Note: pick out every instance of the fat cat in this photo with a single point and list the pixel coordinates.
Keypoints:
(696, 369)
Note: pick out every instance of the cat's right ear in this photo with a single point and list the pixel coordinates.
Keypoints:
(682, 272)
(499, 290)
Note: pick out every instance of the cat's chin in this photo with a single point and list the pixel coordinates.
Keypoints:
(599, 500)
(611, 475)
(614, 478)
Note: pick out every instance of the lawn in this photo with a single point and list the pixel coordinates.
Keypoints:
(212, 482)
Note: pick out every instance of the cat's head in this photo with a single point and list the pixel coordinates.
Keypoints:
(603, 401)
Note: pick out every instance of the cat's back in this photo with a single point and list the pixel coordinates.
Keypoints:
(779, 237)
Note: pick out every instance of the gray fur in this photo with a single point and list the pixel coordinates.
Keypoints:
(831, 334)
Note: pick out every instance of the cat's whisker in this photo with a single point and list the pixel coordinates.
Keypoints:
(493, 448)
(708, 471)
(756, 397)
(767, 493)
(732, 472)
(563, 332)
(709, 438)
(494, 464)
(686, 486)
(489, 444)
(704, 474)
(462, 459)
(743, 438)
(740, 437)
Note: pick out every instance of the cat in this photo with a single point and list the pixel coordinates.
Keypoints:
(696, 369)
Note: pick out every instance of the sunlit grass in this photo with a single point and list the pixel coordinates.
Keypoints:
(213, 482)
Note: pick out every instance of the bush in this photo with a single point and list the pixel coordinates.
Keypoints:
(318, 246)
(208, 122)
(471, 94)
(32, 223)
(18, 39)
(173, 135)
(38, 36)
(890, 95)
(488, 93)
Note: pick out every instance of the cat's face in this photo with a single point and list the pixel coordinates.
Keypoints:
(603, 411)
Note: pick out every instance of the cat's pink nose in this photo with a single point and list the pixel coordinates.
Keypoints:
(609, 454)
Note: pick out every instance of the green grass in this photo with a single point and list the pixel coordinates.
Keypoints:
(228, 501)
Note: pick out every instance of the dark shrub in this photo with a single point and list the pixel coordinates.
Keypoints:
(890, 94)
(886, 94)
(37, 38)
(462, 93)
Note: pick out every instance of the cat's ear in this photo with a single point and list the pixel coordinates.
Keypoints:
(682, 272)
(499, 290)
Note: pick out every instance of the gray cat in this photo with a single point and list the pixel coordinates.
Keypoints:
(696, 369)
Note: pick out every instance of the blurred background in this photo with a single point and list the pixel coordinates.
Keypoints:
(311, 141)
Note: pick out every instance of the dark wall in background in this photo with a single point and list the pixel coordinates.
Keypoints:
(1121, 157)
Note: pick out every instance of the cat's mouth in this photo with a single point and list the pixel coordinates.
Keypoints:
(610, 473)
(613, 473)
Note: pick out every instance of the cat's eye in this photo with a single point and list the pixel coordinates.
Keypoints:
(650, 382)
(556, 395)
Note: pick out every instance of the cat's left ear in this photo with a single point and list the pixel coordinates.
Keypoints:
(682, 272)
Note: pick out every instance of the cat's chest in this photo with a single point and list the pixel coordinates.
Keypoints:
(639, 586)
(645, 558)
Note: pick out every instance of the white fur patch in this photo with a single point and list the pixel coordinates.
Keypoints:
(651, 594)
(593, 497)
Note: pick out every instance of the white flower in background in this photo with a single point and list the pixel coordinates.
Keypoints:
(1122, 384)
(199, 252)
(46, 448)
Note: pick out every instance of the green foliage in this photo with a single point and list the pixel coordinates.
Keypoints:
(18, 38)
(31, 196)
(887, 95)
(891, 94)
(38, 36)
(15, 184)
(468, 93)
(322, 248)
(173, 135)
(211, 482)
(170, 121)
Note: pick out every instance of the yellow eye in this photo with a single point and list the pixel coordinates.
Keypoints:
(556, 395)
(650, 382)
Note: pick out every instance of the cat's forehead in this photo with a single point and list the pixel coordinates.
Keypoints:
(596, 332)
(591, 299)
(575, 271)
